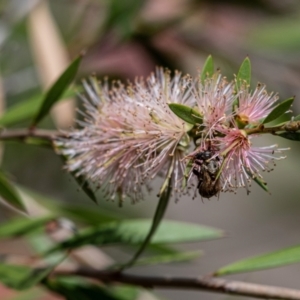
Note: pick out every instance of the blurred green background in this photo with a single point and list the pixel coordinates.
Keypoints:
(129, 38)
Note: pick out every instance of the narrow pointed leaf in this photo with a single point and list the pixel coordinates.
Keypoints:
(297, 118)
(10, 194)
(187, 171)
(27, 109)
(57, 89)
(186, 113)
(243, 77)
(168, 258)
(85, 186)
(22, 226)
(164, 197)
(261, 183)
(208, 69)
(83, 183)
(20, 277)
(244, 73)
(23, 277)
(293, 136)
(74, 288)
(35, 293)
(269, 260)
(84, 214)
(279, 110)
(283, 119)
(132, 232)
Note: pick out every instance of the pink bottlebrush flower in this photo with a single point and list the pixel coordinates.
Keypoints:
(254, 106)
(243, 161)
(129, 134)
(214, 100)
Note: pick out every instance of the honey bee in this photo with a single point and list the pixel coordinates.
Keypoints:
(206, 169)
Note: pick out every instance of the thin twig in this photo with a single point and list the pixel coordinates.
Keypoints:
(208, 284)
(21, 134)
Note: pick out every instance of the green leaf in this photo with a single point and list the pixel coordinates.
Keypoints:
(208, 69)
(22, 226)
(164, 197)
(87, 215)
(168, 258)
(10, 194)
(279, 110)
(73, 288)
(57, 89)
(261, 183)
(122, 15)
(293, 136)
(186, 113)
(297, 118)
(32, 294)
(27, 109)
(83, 183)
(269, 260)
(279, 35)
(135, 231)
(85, 186)
(244, 73)
(23, 277)
(283, 119)
(187, 171)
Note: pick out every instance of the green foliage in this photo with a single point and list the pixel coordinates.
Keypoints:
(85, 186)
(279, 34)
(10, 194)
(186, 113)
(243, 78)
(259, 181)
(83, 183)
(164, 197)
(27, 109)
(279, 110)
(297, 118)
(167, 258)
(22, 226)
(23, 277)
(283, 119)
(73, 288)
(56, 90)
(293, 136)
(208, 69)
(85, 214)
(269, 260)
(123, 16)
(244, 74)
(135, 232)
(35, 293)
(187, 171)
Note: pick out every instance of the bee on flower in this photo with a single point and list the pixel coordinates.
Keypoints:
(225, 157)
(131, 134)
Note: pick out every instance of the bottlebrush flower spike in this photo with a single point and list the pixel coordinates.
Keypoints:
(254, 106)
(214, 98)
(129, 135)
(243, 162)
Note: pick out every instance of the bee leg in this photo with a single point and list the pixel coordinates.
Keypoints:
(196, 172)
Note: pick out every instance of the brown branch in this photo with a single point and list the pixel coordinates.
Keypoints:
(291, 126)
(22, 134)
(208, 284)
